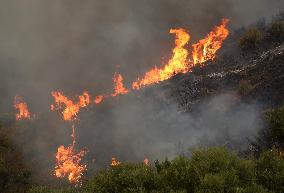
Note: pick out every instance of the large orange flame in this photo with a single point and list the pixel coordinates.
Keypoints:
(70, 108)
(118, 85)
(22, 108)
(68, 162)
(177, 64)
(206, 48)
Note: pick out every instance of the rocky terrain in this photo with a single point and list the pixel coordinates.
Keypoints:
(259, 78)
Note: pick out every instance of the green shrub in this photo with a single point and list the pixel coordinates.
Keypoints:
(176, 175)
(212, 160)
(213, 170)
(225, 181)
(250, 41)
(254, 188)
(275, 119)
(270, 170)
(44, 189)
(276, 32)
(124, 178)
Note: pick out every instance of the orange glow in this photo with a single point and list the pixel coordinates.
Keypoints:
(118, 85)
(146, 162)
(98, 99)
(114, 162)
(70, 108)
(68, 162)
(206, 48)
(22, 108)
(177, 64)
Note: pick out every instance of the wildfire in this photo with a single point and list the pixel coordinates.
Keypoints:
(206, 48)
(118, 85)
(71, 109)
(98, 99)
(146, 162)
(114, 162)
(68, 162)
(22, 108)
(177, 64)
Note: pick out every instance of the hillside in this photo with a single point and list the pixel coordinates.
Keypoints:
(249, 73)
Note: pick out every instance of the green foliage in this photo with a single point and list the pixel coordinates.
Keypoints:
(254, 188)
(215, 170)
(207, 171)
(44, 189)
(276, 32)
(276, 125)
(124, 178)
(250, 41)
(176, 175)
(270, 170)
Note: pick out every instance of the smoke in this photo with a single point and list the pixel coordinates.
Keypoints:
(140, 125)
(75, 46)
(134, 128)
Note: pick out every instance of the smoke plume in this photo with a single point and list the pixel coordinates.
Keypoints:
(75, 46)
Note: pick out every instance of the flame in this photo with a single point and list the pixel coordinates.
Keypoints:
(22, 108)
(68, 162)
(114, 162)
(177, 64)
(146, 162)
(206, 48)
(71, 109)
(118, 85)
(98, 99)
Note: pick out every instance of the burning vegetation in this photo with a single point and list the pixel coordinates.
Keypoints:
(177, 64)
(98, 99)
(68, 161)
(114, 162)
(180, 62)
(21, 108)
(119, 88)
(206, 48)
(70, 109)
(255, 72)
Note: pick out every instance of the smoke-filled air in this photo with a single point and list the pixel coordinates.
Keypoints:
(92, 90)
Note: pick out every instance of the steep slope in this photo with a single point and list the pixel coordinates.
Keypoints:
(260, 78)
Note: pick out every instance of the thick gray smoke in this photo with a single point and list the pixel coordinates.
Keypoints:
(74, 46)
(77, 46)
(139, 127)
